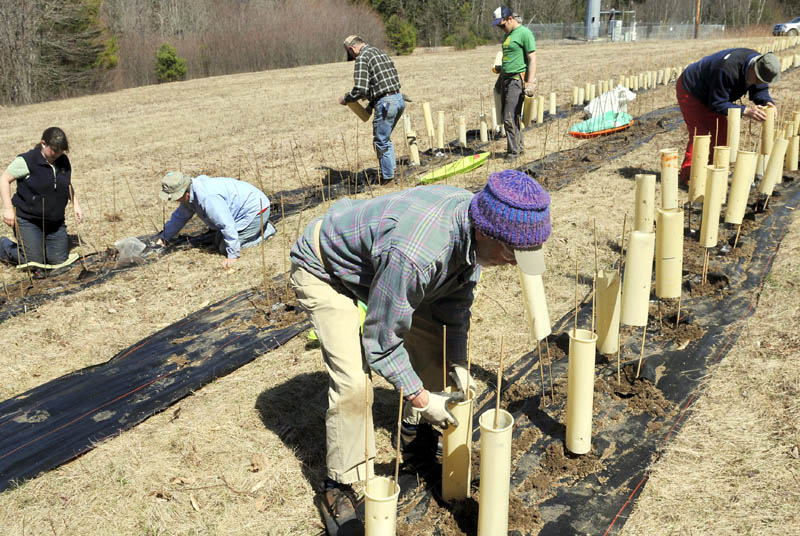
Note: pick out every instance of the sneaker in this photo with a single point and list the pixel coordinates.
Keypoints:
(337, 506)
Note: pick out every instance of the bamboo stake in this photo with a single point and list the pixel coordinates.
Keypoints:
(469, 358)
(594, 281)
(399, 435)
(499, 383)
(575, 329)
(444, 357)
(283, 243)
(264, 257)
(619, 365)
(19, 257)
(622, 245)
(77, 232)
(366, 432)
(678, 316)
(550, 370)
(541, 366)
(138, 212)
(641, 353)
(736, 240)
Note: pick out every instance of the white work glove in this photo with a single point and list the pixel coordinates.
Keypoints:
(436, 411)
(462, 378)
(530, 88)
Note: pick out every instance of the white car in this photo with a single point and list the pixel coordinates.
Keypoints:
(787, 28)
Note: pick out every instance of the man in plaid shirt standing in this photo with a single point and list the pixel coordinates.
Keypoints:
(414, 258)
(376, 80)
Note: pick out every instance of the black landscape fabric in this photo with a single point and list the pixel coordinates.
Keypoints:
(61, 419)
(632, 422)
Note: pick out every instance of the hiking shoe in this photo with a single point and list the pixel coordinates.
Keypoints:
(511, 157)
(337, 506)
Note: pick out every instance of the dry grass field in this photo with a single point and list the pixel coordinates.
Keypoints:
(218, 465)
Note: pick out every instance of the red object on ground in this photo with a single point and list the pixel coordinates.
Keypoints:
(585, 135)
(699, 120)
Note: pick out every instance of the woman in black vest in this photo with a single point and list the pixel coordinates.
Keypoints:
(36, 212)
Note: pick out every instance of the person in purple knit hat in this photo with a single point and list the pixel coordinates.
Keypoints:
(414, 257)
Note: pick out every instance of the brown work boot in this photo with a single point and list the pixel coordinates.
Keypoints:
(337, 508)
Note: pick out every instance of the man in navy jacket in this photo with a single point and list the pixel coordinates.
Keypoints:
(708, 88)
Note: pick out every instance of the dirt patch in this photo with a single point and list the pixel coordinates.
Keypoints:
(639, 394)
(559, 466)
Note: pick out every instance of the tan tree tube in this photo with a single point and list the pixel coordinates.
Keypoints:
(743, 173)
(580, 390)
(768, 130)
(495, 473)
(462, 132)
(592, 92)
(426, 113)
(669, 253)
(734, 129)
(381, 507)
(457, 450)
(608, 306)
(773, 173)
(536, 305)
(540, 109)
(638, 274)
(497, 112)
(581, 96)
(645, 203)
(413, 150)
(553, 106)
(697, 179)
(440, 130)
(527, 111)
(793, 152)
(722, 156)
(359, 110)
(587, 89)
(484, 129)
(574, 95)
(709, 229)
(796, 121)
(669, 178)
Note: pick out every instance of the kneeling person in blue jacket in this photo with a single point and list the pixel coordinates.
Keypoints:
(234, 209)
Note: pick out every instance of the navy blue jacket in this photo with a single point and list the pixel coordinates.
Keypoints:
(720, 79)
(43, 184)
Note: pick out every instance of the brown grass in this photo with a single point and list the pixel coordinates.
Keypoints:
(191, 472)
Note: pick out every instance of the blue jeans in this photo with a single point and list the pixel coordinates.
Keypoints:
(250, 235)
(45, 246)
(388, 111)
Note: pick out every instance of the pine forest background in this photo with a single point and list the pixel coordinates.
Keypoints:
(51, 49)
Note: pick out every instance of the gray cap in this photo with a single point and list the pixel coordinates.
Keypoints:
(768, 68)
(174, 185)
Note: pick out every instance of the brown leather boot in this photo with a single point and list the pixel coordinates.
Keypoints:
(337, 508)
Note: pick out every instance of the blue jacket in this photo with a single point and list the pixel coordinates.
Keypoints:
(720, 79)
(224, 204)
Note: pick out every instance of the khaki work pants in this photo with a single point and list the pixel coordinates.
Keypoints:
(348, 420)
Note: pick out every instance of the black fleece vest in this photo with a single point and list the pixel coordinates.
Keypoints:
(43, 195)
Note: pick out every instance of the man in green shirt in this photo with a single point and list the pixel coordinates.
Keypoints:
(517, 77)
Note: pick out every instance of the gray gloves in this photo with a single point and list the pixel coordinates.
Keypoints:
(436, 411)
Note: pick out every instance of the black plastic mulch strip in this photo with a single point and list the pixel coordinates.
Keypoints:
(64, 418)
(625, 444)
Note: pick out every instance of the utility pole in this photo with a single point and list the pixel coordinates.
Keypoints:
(697, 20)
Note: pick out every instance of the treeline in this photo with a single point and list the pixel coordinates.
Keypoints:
(51, 49)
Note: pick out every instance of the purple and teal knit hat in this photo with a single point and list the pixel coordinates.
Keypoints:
(512, 208)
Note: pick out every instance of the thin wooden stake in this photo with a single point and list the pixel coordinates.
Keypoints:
(622, 245)
(19, 257)
(550, 370)
(499, 383)
(283, 244)
(399, 435)
(366, 433)
(264, 257)
(619, 365)
(575, 329)
(736, 240)
(641, 353)
(678, 316)
(469, 358)
(594, 281)
(444, 357)
(541, 366)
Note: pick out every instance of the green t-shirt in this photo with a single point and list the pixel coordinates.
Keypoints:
(516, 47)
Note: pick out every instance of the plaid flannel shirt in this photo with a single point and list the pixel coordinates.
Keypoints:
(399, 253)
(374, 76)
